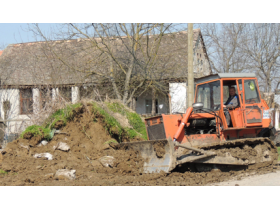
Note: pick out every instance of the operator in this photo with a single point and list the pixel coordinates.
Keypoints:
(231, 103)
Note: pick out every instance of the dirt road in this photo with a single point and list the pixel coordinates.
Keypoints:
(270, 179)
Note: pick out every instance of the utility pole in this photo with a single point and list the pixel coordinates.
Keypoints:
(190, 65)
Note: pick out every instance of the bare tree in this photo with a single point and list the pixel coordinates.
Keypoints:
(262, 50)
(126, 54)
(223, 43)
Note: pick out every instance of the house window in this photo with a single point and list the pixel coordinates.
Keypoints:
(66, 93)
(45, 96)
(26, 101)
(148, 105)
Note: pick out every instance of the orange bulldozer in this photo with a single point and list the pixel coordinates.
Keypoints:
(202, 136)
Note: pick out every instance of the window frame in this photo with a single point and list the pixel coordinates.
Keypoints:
(29, 99)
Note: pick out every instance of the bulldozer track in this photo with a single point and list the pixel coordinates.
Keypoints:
(252, 150)
(238, 142)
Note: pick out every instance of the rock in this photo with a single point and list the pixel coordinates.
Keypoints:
(107, 161)
(65, 174)
(24, 146)
(43, 143)
(62, 146)
(47, 156)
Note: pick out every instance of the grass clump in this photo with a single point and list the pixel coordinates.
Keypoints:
(110, 141)
(2, 172)
(133, 118)
(63, 115)
(36, 130)
(112, 125)
(47, 130)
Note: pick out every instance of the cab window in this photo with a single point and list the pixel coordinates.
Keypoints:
(251, 92)
(210, 95)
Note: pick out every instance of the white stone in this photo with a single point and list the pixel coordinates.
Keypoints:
(47, 156)
(107, 161)
(69, 174)
(44, 142)
(62, 146)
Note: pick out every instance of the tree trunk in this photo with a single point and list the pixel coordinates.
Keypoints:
(133, 104)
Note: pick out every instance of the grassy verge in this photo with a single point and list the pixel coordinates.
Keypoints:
(133, 118)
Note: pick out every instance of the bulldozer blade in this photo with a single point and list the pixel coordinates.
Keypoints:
(158, 155)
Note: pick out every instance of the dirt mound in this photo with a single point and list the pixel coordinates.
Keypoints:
(89, 141)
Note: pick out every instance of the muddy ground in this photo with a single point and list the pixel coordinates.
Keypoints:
(86, 138)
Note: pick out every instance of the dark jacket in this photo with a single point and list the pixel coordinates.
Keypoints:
(232, 102)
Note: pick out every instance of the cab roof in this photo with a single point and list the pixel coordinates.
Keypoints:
(224, 75)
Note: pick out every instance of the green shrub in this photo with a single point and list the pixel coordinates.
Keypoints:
(37, 130)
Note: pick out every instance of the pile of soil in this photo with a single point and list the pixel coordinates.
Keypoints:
(86, 138)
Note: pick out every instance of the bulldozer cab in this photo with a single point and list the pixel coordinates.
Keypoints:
(213, 92)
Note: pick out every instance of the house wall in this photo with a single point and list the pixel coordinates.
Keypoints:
(75, 94)
(178, 93)
(17, 122)
(21, 121)
(201, 66)
(277, 117)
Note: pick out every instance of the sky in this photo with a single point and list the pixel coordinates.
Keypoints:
(11, 33)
